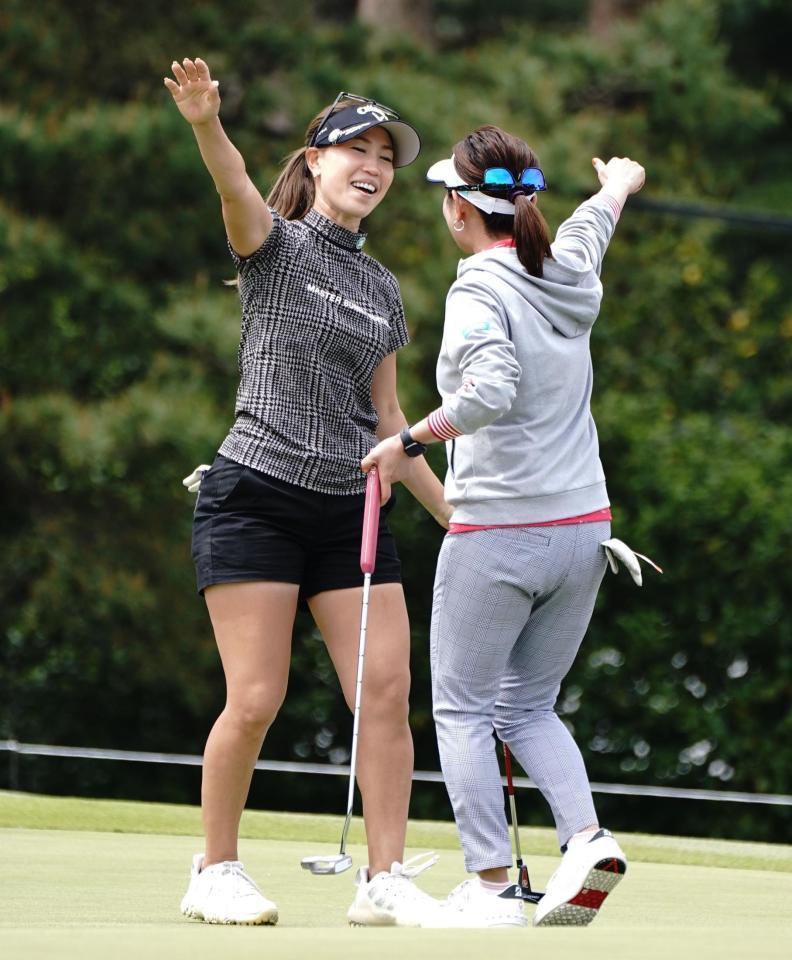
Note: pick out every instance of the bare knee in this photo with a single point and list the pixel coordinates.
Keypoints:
(386, 698)
(254, 709)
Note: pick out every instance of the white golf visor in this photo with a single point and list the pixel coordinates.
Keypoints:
(445, 172)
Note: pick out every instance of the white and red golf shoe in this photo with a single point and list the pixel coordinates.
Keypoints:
(588, 872)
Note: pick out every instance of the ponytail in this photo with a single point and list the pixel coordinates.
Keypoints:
(531, 236)
(529, 230)
(292, 194)
(492, 147)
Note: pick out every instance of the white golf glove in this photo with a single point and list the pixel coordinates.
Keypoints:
(618, 550)
(193, 482)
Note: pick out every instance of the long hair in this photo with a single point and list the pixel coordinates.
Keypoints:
(492, 147)
(292, 194)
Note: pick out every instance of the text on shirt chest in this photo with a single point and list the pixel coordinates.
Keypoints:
(337, 299)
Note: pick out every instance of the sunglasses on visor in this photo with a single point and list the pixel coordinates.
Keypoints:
(388, 112)
(501, 180)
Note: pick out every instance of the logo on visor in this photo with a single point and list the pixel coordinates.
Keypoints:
(347, 131)
(378, 112)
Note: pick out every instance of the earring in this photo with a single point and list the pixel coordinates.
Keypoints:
(461, 226)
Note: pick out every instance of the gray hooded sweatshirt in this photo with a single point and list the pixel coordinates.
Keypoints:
(515, 376)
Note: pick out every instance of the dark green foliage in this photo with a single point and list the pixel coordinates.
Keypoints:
(118, 371)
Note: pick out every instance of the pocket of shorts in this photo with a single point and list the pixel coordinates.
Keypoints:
(219, 483)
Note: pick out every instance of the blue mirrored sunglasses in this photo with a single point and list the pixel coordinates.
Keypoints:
(501, 180)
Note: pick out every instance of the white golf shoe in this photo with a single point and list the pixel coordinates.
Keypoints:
(392, 899)
(588, 872)
(224, 893)
(469, 905)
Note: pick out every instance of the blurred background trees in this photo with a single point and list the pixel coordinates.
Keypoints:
(118, 368)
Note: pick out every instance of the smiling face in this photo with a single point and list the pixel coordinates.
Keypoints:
(353, 177)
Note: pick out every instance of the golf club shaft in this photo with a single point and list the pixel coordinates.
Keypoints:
(522, 870)
(512, 803)
(523, 879)
(368, 556)
(356, 718)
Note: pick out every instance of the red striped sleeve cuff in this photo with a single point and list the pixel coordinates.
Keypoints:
(613, 203)
(441, 426)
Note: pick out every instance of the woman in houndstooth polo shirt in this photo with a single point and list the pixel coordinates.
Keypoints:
(519, 571)
(278, 517)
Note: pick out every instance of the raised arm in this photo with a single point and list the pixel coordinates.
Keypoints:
(247, 220)
(619, 177)
(583, 238)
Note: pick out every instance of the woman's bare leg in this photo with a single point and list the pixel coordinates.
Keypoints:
(385, 748)
(253, 624)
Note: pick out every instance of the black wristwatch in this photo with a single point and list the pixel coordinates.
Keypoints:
(411, 447)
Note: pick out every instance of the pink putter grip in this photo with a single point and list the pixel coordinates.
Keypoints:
(371, 512)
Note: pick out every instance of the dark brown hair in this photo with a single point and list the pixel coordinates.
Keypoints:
(292, 194)
(492, 147)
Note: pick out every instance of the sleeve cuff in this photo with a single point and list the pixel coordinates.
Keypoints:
(441, 427)
(613, 203)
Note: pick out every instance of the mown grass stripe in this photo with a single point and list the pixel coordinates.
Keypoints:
(34, 811)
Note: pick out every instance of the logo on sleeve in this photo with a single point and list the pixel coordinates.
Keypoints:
(484, 327)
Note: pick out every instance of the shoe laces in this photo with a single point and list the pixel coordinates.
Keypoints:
(415, 866)
(398, 882)
(461, 893)
(241, 881)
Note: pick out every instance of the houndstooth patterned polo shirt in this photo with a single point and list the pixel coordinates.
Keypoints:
(318, 317)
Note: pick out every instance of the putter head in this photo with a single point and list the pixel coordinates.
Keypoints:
(517, 892)
(327, 864)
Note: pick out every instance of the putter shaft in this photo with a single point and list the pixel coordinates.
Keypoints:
(523, 880)
(368, 555)
(356, 718)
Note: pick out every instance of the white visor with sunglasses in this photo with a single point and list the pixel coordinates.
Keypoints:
(445, 172)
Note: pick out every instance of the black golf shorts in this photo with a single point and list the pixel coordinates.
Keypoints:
(251, 526)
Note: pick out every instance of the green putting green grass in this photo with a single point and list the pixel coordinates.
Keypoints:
(88, 879)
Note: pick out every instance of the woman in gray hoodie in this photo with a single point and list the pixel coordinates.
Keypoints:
(520, 568)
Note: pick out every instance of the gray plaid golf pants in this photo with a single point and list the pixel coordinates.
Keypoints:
(511, 607)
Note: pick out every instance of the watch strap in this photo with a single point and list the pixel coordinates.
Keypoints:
(411, 446)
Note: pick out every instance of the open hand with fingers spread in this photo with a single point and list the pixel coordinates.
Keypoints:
(194, 92)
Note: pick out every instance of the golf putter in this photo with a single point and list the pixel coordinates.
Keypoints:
(327, 864)
(523, 880)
